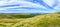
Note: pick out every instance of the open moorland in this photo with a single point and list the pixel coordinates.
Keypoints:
(30, 20)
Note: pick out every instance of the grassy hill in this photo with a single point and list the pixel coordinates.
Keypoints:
(15, 15)
(37, 20)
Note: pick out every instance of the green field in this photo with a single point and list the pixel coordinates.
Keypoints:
(30, 20)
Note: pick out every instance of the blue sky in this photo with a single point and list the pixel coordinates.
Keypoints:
(29, 6)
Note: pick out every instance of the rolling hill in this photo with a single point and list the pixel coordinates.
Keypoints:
(40, 20)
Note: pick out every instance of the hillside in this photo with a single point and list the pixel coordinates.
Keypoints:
(42, 20)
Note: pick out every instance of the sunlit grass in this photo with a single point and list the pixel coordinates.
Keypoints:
(44, 20)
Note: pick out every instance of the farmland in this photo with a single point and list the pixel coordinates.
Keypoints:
(30, 20)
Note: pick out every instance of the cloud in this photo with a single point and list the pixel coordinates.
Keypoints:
(2, 9)
(26, 6)
(57, 7)
(6, 5)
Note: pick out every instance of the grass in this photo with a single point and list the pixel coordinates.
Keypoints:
(44, 20)
(15, 16)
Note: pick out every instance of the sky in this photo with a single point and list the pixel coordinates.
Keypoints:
(29, 6)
